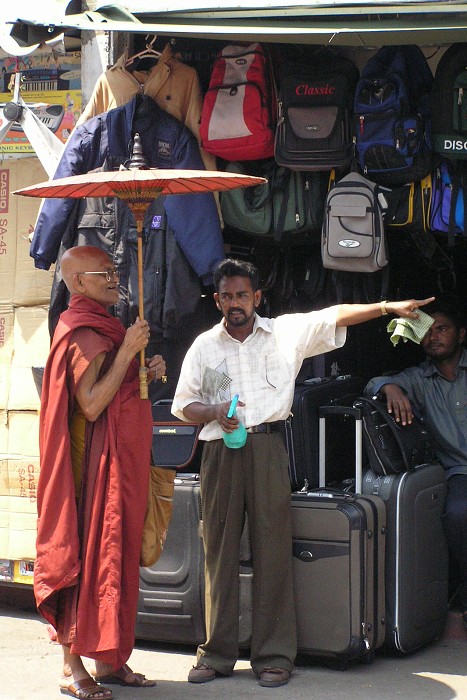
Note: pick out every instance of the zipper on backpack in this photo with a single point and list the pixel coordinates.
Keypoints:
(280, 116)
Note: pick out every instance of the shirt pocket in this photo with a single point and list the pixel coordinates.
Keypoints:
(276, 372)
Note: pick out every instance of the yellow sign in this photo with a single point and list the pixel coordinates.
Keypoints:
(59, 110)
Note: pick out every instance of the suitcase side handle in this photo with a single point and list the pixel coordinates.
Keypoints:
(343, 411)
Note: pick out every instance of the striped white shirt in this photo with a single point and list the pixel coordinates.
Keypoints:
(261, 369)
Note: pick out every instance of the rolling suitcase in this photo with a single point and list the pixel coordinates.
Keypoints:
(301, 430)
(171, 592)
(171, 595)
(338, 565)
(416, 554)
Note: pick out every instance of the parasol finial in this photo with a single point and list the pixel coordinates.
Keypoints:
(138, 161)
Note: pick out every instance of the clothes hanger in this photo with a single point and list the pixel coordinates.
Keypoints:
(148, 52)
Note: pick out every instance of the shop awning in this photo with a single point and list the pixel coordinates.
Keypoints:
(352, 23)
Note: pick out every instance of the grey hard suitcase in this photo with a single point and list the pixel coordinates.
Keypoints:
(416, 555)
(338, 565)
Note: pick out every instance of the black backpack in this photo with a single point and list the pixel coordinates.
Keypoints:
(392, 116)
(449, 103)
(315, 124)
(391, 447)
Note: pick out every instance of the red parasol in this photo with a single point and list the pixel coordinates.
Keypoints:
(138, 187)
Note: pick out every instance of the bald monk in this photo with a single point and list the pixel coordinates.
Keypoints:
(95, 439)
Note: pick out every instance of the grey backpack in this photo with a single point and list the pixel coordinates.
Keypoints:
(353, 237)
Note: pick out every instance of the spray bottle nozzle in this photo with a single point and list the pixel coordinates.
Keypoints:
(233, 406)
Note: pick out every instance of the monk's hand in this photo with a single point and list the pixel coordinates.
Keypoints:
(156, 367)
(137, 336)
(408, 308)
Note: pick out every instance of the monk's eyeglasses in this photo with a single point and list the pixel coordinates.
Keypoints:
(110, 275)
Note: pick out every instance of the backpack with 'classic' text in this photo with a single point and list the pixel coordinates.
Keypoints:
(314, 129)
(238, 117)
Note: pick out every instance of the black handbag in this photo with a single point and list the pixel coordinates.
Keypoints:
(174, 442)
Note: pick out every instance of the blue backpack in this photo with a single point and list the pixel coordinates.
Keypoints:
(392, 114)
(447, 202)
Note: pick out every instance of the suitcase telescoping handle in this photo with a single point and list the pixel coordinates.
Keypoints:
(341, 411)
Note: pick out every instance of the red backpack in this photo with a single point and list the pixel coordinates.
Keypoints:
(238, 118)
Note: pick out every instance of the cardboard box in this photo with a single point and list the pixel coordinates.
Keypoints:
(7, 318)
(31, 344)
(3, 432)
(21, 283)
(22, 430)
(8, 209)
(23, 571)
(4, 481)
(19, 475)
(18, 507)
(23, 476)
(6, 570)
(22, 535)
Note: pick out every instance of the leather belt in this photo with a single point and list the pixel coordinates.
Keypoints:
(272, 427)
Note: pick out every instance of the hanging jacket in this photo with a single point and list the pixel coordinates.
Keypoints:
(171, 288)
(166, 143)
(172, 84)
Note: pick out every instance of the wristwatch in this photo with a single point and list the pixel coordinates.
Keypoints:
(382, 306)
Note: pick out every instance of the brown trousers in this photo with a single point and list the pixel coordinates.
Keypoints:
(253, 479)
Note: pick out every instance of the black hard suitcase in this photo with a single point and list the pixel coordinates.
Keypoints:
(416, 555)
(301, 430)
(171, 595)
(338, 566)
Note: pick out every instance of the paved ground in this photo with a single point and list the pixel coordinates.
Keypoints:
(31, 667)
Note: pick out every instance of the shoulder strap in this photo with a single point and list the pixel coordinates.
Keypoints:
(455, 187)
(279, 229)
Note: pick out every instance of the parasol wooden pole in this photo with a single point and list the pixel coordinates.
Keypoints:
(143, 372)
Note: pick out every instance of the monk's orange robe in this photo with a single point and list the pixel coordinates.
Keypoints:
(86, 574)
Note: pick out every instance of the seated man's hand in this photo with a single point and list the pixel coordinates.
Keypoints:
(397, 403)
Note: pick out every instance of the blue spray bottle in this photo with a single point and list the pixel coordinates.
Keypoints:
(238, 437)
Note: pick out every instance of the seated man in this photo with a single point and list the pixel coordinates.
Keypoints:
(437, 390)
